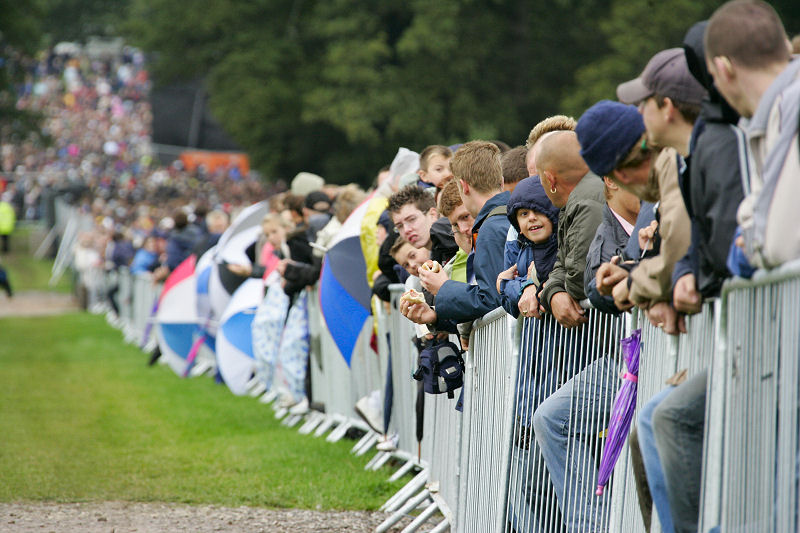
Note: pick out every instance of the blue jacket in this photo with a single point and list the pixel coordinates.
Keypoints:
(529, 194)
(143, 261)
(462, 302)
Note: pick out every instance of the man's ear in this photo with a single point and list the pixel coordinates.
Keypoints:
(432, 212)
(611, 183)
(724, 67)
(548, 180)
(464, 187)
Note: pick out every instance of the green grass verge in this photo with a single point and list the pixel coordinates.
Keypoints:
(26, 273)
(82, 418)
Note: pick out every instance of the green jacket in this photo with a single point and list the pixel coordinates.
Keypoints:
(577, 224)
(7, 218)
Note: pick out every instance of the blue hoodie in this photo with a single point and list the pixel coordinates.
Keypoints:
(528, 194)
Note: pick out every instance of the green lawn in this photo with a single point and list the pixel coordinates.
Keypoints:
(26, 273)
(83, 418)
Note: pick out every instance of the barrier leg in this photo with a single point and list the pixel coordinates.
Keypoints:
(314, 419)
(422, 518)
(442, 526)
(403, 471)
(382, 461)
(367, 441)
(393, 503)
(339, 432)
(292, 420)
(398, 515)
(329, 422)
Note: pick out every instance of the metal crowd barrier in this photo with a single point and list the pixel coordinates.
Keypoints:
(489, 385)
(757, 480)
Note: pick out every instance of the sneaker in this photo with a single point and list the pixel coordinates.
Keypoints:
(300, 408)
(372, 415)
(388, 443)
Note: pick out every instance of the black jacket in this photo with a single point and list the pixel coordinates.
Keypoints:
(712, 187)
(609, 240)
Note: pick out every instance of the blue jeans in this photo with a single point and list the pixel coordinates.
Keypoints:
(566, 426)
(652, 462)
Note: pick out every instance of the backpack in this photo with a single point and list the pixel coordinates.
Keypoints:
(440, 368)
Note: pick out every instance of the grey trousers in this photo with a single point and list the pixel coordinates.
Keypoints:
(678, 426)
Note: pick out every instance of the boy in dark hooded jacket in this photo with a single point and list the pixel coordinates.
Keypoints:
(537, 244)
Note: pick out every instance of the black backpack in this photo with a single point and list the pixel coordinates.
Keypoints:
(441, 368)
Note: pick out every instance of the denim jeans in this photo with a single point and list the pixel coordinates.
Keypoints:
(678, 426)
(566, 426)
(652, 462)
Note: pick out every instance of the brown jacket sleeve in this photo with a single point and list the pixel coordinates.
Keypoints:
(652, 279)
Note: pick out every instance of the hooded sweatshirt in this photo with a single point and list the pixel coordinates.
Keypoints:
(529, 194)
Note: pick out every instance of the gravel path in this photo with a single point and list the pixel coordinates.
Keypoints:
(125, 517)
(36, 303)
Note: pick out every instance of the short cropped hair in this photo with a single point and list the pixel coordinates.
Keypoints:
(349, 197)
(449, 198)
(748, 32)
(411, 194)
(430, 151)
(398, 243)
(554, 123)
(513, 163)
(689, 112)
(478, 163)
(294, 202)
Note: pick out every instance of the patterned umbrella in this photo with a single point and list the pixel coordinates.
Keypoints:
(622, 413)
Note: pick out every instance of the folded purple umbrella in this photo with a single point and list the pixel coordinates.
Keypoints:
(622, 413)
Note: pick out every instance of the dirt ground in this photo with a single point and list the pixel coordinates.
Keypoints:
(36, 303)
(125, 517)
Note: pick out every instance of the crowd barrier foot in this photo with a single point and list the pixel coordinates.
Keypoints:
(406, 468)
(129, 334)
(292, 420)
(257, 389)
(150, 345)
(340, 431)
(410, 505)
(281, 412)
(268, 397)
(422, 518)
(441, 527)
(408, 490)
(364, 443)
(201, 368)
(314, 419)
(327, 424)
(382, 461)
(377, 457)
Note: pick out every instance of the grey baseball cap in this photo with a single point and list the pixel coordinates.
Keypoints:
(666, 74)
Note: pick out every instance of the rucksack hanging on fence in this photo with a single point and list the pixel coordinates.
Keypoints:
(441, 368)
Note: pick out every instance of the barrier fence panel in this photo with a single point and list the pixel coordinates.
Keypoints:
(319, 382)
(489, 384)
(440, 450)
(404, 360)
(566, 381)
(759, 461)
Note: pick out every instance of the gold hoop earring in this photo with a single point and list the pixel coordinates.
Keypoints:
(552, 190)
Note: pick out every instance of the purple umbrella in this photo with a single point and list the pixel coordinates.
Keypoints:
(622, 413)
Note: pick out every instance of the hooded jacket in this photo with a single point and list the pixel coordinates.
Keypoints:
(462, 302)
(712, 188)
(529, 194)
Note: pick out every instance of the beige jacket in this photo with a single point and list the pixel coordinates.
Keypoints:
(651, 280)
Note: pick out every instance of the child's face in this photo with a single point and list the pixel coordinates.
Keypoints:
(438, 171)
(534, 225)
(411, 258)
(275, 233)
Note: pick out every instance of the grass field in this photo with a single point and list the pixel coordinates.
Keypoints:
(24, 271)
(82, 418)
